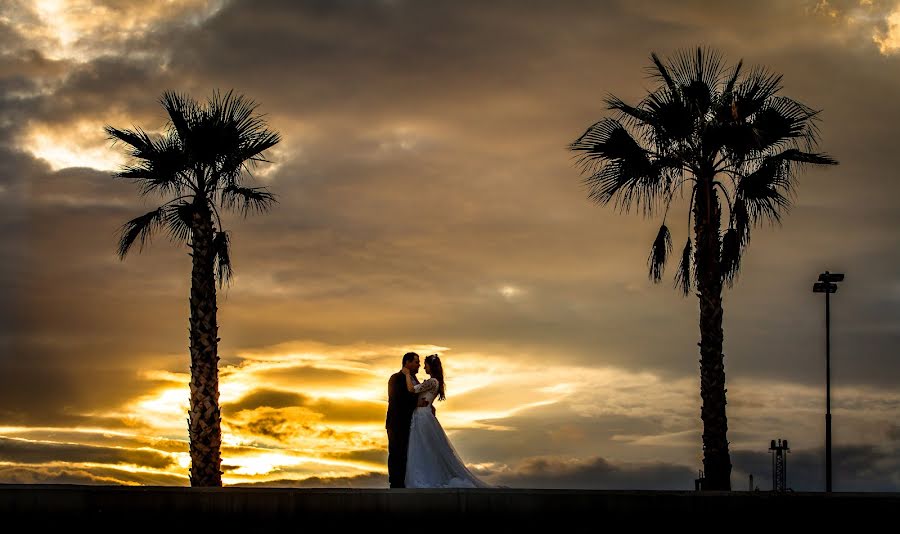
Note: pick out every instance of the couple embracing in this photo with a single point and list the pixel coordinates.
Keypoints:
(419, 453)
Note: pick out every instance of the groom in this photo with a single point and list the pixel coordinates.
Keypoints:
(401, 404)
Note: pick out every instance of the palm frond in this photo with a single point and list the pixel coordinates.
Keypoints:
(699, 64)
(703, 74)
(609, 140)
(233, 109)
(224, 272)
(731, 256)
(674, 118)
(138, 141)
(142, 228)
(754, 91)
(183, 113)
(740, 220)
(691, 78)
(765, 193)
(699, 96)
(798, 156)
(257, 144)
(661, 72)
(783, 120)
(178, 220)
(621, 170)
(247, 199)
(732, 79)
(233, 135)
(159, 168)
(251, 150)
(634, 116)
(659, 252)
(768, 191)
(683, 275)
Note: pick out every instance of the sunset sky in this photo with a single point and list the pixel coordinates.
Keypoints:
(427, 202)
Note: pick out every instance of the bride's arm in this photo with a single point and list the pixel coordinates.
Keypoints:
(409, 383)
(427, 385)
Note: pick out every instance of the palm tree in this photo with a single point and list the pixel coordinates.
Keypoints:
(200, 161)
(729, 138)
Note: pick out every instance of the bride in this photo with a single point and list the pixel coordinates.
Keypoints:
(432, 461)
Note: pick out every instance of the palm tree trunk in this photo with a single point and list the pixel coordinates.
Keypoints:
(205, 420)
(716, 459)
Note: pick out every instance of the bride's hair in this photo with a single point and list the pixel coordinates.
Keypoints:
(437, 371)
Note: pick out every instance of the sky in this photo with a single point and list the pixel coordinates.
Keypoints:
(427, 202)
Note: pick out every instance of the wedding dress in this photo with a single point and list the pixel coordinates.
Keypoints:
(432, 462)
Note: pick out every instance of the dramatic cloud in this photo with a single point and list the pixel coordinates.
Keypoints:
(85, 475)
(21, 451)
(597, 473)
(427, 202)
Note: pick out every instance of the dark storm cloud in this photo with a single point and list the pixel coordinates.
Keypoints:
(386, 48)
(21, 451)
(103, 439)
(307, 375)
(893, 433)
(598, 473)
(267, 398)
(65, 337)
(9, 37)
(25, 474)
(16, 170)
(345, 410)
(372, 456)
(97, 89)
(281, 428)
(22, 75)
(560, 430)
(92, 385)
(276, 427)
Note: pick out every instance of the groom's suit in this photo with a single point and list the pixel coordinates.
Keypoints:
(401, 404)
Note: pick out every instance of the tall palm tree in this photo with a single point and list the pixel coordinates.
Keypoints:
(728, 137)
(200, 161)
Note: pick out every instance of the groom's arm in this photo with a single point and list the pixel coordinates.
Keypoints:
(410, 385)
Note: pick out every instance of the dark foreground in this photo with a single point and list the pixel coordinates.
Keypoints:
(366, 510)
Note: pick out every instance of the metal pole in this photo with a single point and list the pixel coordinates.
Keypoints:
(827, 392)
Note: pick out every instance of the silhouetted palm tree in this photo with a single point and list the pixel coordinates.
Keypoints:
(198, 162)
(728, 137)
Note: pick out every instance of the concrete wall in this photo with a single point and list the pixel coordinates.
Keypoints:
(118, 506)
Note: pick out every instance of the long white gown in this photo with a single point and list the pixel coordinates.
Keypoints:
(431, 460)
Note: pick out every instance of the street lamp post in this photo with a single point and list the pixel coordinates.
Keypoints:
(827, 284)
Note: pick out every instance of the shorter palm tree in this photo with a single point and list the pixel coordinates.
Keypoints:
(199, 162)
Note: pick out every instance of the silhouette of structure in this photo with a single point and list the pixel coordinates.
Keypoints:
(827, 284)
(779, 448)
